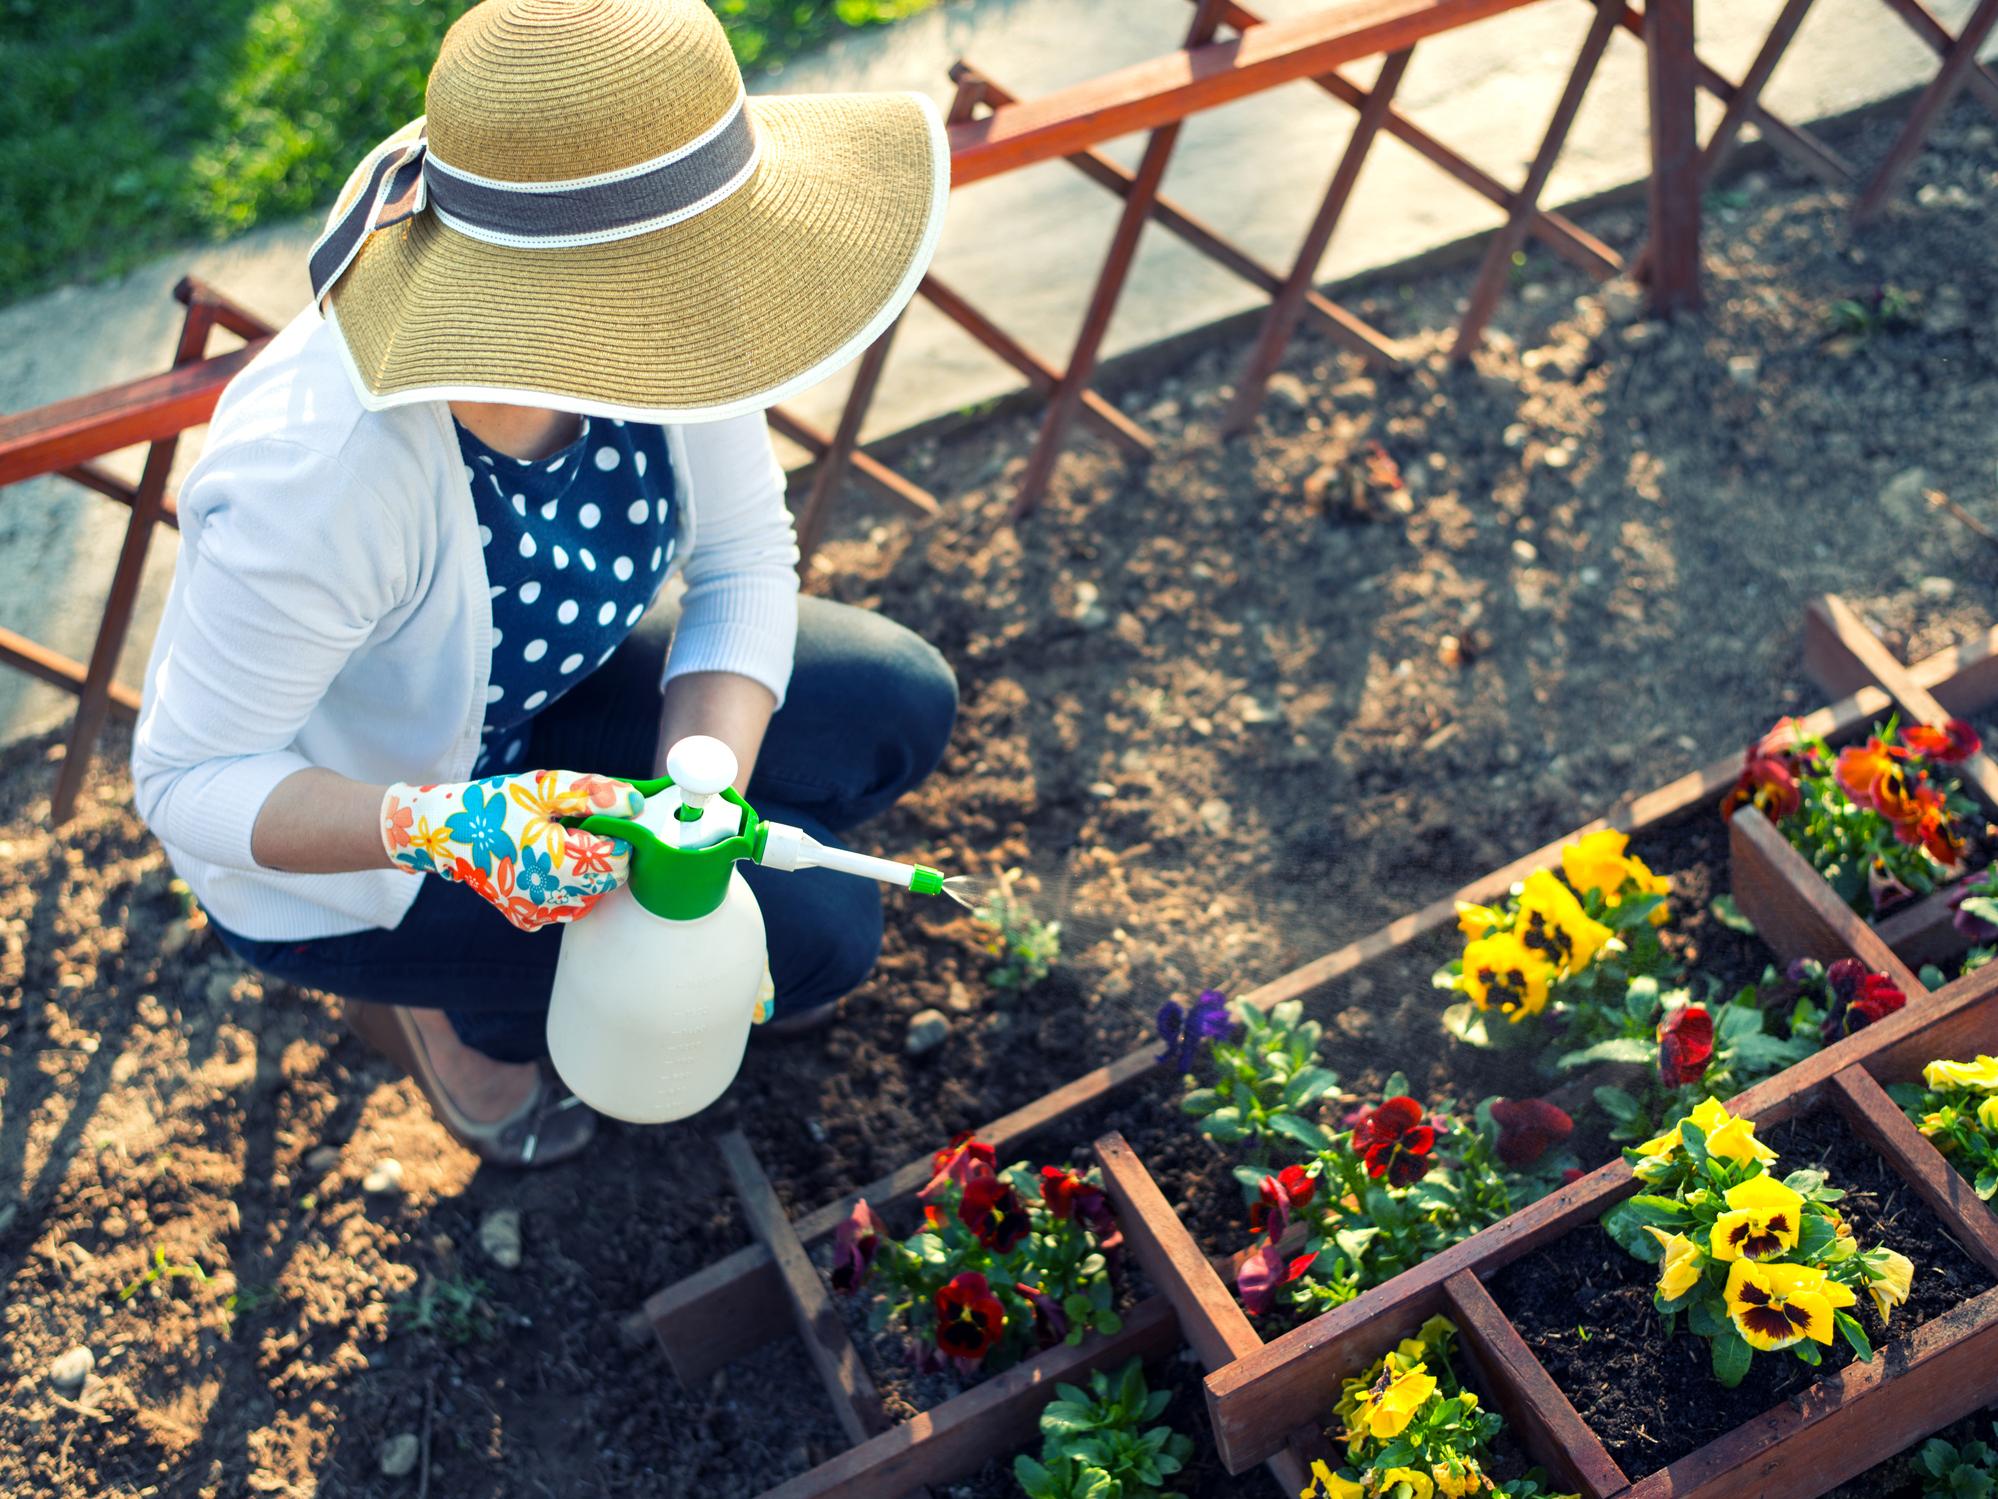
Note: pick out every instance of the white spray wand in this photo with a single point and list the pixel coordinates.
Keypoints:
(786, 847)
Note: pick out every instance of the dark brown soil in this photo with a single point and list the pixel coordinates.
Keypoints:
(1584, 1307)
(1281, 724)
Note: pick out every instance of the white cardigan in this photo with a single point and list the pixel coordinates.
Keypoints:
(330, 608)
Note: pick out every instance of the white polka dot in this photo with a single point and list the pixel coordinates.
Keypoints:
(513, 750)
(468, 473)
(589, 562)
(637, 612)
(622, 569)
(520, 505)
(555, 465)
(588, 517)
(561, 557)
(566, 611)
(617, 421)
(498, 636)
(486, 459)
(571, 662)
(495, 591)
(494, 694)
(523, 462)
(548, 510)
(526, 545)
(530, 591)
(658, 556)
(636, 514)
(638, 462)
(535, 701)
(485, 536)
(606, 614)
(536, 649)
(607, 459)
(662, 510)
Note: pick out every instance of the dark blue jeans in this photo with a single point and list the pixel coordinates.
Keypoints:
(867, 716)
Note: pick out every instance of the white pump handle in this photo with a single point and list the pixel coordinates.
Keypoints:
(701, 766)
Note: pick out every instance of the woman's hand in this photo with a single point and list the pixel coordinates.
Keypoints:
(503, 836)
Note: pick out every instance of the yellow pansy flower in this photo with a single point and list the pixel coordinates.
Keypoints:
(1595, 862)
(1475, 921)
(1941, 1120)
(1763, 1220)
(1729, 1138)
(1980, 1076)
(1890, 1288)
(1389, 1412)
(1419, 1484)
(1325, 1484)
(1502, 973)
(1987, 1112)
(1553, 923)
(1679, 1271)
(1461, 1484)
(1774, 1306)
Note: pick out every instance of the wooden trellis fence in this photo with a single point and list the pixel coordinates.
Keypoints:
(993, 132)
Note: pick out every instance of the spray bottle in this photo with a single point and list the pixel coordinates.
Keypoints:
(657, 987)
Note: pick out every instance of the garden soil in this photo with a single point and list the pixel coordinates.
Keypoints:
(1228, 710)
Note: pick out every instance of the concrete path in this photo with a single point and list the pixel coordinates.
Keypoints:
(1025, 248)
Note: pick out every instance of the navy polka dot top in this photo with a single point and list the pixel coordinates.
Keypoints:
(576, 546)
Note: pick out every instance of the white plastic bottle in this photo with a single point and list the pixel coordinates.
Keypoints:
(656, 988)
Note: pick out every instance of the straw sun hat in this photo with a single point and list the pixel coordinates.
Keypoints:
(591, 217)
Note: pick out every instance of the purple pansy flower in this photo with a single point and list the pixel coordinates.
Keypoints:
(1186, 1031)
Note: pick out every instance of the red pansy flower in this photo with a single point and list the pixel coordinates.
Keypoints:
(1290, 1187)
(993, 1211)
(1394, 1142)
(1878, 997)
(1068, 1195)
(1528, 1128)
(1050, 1322)
(963, 1161)
(1950, 742)
(1685, 1045)
(969, 1317)
(854, 1243)
(1768, 780)
(1265, 1269)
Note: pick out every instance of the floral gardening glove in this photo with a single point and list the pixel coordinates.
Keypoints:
(502, 837)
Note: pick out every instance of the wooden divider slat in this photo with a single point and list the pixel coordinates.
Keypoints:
(1956, 1026)
(1922, 930)
(1539, 1415)
(1878, 1120)
(734, 1305)
(1848, 1421)
(1794, 910)
(856, 1402)
(1257, 1400)
(998, 1415)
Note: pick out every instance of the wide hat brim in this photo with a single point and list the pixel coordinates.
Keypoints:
(729, 311)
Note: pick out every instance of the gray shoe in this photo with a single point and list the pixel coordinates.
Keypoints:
(550, 1127)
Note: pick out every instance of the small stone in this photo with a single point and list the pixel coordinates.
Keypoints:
(70, 1370)
(1086, 596)
(177, 935)
(1937, 588)
(1744, 370)
(1132, 761)
(113, 1226)
(1517, 435)
(1102, 790)
(321, 1159)
(1904, 491)
(928, 1029)
(1557, 457)
(399, 1454)
(1524, 550)
(1161, 412)
(1288, 392)
(817, 1131)
(384, 1176)
(1217, 814)
(1638, 334)
(1588, 577)
(499, 1237)
(961, 998)
(1254, 711)
(1130, 629)
(1623, 301)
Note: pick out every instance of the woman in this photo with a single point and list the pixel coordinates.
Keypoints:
(416, 618)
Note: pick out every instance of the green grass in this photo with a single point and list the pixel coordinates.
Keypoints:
(129, 125)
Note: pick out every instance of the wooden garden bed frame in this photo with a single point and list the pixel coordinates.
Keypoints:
(1266, 1398)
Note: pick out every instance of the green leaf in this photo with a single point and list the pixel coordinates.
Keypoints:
(1706, 1319)
(1353, 1242)
(1307, 1134)
(1616, 1103)
(1728, 914)
(1466, 1022)
(1983, 907)
(1224, 1125)
(1616, 1049)
(1862, 1345)
(1063, 1418)
(1308, 1086)
(1970, 1483)
(1035, 1479)
(1731, 1358)
(1201, 1101)
(1937, 1456)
